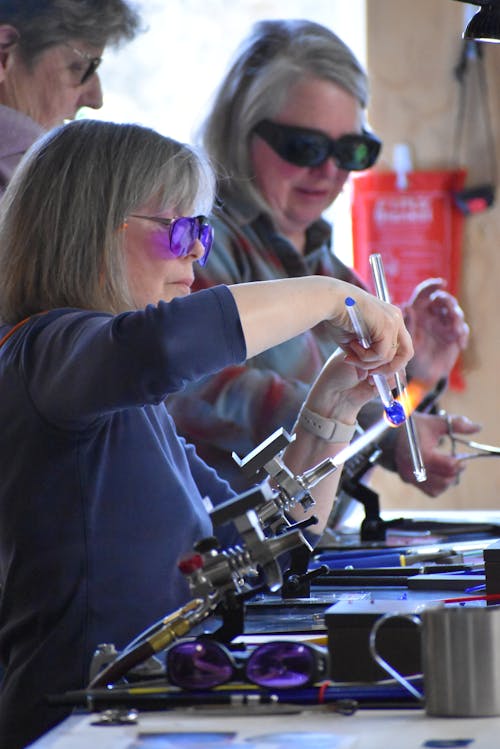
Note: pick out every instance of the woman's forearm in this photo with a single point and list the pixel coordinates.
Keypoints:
(274, 311)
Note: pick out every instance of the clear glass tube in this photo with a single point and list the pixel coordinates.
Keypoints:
(382, 291)
(393, 410)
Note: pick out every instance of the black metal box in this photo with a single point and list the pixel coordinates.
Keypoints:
(491, 556)
(349, 624)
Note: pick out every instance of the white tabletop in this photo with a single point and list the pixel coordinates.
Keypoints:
(370, 729)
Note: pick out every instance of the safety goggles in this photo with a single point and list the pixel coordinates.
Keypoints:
(183, 232)
(304, 147)
(205, 663)
(93, 63)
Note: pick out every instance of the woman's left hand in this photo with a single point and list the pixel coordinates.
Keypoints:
(338, 393)
(438, 329)
(340, 389)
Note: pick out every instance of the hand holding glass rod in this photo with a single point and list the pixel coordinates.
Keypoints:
(400, 377)
(394, 411)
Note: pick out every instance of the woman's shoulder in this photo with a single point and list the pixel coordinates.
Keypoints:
(32, 326)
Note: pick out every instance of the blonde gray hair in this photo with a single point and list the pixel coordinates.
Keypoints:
(62, 215)
(266, 65)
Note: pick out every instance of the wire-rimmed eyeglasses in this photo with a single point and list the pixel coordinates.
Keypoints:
(93, 62)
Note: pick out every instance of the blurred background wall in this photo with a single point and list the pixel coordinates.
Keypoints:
(412, 50)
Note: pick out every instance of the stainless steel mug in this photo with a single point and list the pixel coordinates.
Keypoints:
(460, 648)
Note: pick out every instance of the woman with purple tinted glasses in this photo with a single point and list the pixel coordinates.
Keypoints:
(287, 126)
(98, 327)
(181, 234)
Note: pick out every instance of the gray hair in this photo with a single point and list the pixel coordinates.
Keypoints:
(45, 23)
(63, 246)
(267, 64)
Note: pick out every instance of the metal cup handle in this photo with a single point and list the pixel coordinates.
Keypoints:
(382, 662)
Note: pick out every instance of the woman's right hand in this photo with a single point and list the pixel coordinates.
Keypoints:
(391, 346)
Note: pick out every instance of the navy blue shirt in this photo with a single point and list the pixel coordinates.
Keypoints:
(99, 497)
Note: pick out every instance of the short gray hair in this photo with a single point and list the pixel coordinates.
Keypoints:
(61, 218)
(45, 23)
(266, 65)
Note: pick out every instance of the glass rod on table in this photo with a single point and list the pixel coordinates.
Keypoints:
(382, 291)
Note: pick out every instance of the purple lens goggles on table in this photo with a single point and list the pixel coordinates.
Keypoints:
(183, 233)
(205, 663)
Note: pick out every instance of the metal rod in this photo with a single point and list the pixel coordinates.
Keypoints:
(317, 473)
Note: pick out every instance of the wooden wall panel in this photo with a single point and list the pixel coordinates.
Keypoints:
(412, 50)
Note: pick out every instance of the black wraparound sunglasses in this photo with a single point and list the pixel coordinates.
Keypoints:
(308, 148)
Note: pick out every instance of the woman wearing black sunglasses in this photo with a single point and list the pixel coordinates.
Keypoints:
(286, 127)
(99, 497)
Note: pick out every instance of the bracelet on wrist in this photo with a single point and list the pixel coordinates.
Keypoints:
(330, 430)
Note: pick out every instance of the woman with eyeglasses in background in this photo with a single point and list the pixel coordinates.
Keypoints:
(50, 51)
(285, 129)
(99, 497)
